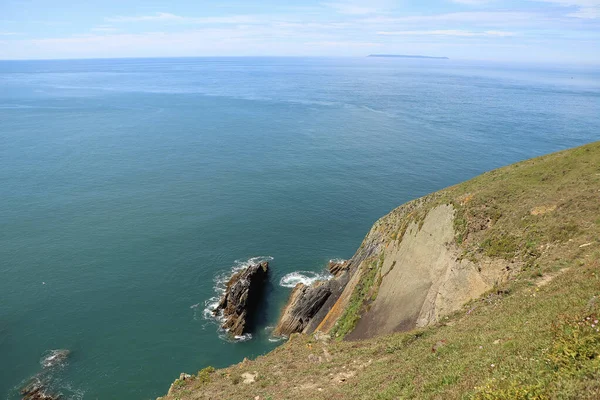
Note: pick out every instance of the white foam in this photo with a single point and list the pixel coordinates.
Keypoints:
(54, 358)
(306, 277)
(243, 338)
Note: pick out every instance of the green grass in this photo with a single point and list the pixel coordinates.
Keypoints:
(519, 341)
(364, 293)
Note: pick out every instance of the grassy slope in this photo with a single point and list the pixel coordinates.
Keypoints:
(519, 341)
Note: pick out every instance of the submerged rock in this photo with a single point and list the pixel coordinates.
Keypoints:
(242, 295)
(55, 358)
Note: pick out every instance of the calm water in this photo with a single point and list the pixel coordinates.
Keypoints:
(128, 186)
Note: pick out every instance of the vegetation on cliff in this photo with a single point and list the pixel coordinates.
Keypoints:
(534, 335)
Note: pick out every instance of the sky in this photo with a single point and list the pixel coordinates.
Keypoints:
(531, 31)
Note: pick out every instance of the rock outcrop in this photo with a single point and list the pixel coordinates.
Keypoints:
(424, 278)
(242, 295)
(308, 304)
(417, 277)
(40, 386)
(336, 267)
(36, 389)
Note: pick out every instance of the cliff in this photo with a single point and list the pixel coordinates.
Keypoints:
(488, 289)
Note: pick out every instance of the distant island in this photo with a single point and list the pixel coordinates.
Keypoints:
(406, 56)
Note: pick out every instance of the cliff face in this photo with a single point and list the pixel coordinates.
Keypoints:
(410, 272)
(424, 278)
(519, 245)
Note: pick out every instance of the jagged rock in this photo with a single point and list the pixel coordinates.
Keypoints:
(36, 390)
(239, 302)
(182, 377)
(38, 387)
(305, 302)
(336, 267)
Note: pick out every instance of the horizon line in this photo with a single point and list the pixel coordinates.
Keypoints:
(367, 56)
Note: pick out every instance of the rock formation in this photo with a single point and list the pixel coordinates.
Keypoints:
(36, 390)
(241, 297)
(307, 304)
(39, 387)
(336, 267)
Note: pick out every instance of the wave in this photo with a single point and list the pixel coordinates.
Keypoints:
(220, 285)
(306, 277)
(54, 358)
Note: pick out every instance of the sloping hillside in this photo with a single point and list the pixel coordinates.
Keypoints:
(519, 245)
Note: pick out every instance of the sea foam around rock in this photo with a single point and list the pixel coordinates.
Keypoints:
(306, 277)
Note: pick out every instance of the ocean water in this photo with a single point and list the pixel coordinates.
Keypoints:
(130, 187)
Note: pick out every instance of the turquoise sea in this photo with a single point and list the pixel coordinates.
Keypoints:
(130, 186)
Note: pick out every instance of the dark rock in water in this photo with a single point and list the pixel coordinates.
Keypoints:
(241, 298)
(36, 389)
(336, 267)
(304, 303)
(39, 387)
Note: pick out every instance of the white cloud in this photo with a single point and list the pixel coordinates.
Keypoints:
(8, 33)
(471, 2)
(344, 44)
(104, 28)
(351, 9)
(172, 18)
(447, 32)
(361, 7)
(479, 18)
(585, 9)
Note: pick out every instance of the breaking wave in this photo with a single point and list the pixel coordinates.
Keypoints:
(306, 277)
(54, 358)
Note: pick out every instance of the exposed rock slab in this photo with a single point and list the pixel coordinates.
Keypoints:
(309, 304)
(337, 267)
(305, 301)
(424, 278)
(241, 298)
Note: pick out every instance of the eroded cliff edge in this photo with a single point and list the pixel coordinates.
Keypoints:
(534, 225)
(413, 268)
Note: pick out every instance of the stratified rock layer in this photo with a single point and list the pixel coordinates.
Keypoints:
(306, 303)
(336, 267)
(239, 303)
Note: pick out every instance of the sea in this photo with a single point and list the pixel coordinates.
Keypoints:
(130, 189)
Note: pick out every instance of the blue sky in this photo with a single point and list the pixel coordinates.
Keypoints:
(542, 30)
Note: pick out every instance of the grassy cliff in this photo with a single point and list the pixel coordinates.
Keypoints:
(526, 237)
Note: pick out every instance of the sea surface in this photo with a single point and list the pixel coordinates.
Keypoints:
(130, 189)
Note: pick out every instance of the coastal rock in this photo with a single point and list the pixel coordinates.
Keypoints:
(241, 298)
(39, 386)
(336, 267)
(36, 389)
(304, 303)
